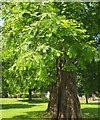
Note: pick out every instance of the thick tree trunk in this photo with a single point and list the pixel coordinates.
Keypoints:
(65, 103)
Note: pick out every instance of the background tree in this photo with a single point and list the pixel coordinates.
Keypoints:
(88, 80)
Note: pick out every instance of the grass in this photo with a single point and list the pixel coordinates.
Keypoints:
(19, 108)
(90, 110)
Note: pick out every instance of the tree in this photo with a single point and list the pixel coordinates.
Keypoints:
(87, 13)
(47, 48)
(88, 79)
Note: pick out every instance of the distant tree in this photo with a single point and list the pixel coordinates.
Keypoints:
(88, 81)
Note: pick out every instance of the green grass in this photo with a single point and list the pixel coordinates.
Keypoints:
(90, 110)
(19, 108)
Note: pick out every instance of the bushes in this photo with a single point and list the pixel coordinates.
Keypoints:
(26, 95)
(38, 95)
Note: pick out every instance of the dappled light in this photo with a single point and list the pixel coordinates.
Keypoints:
(50, 60)
(23, 108)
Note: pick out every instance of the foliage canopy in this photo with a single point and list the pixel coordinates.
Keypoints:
(34, 35)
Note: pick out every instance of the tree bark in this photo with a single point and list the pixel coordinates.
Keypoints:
(53, 100)
(65, 104)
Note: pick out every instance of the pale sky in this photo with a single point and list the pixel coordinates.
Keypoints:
(1, 22)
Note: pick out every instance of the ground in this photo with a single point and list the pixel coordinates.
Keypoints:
(22, 108)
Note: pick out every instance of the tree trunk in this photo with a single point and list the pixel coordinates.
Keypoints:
(86, 96)
(53, 100)
(30, 94)
(65, 103)
(50, 102)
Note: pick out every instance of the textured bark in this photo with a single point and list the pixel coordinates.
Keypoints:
(66, 105)
(53, 100)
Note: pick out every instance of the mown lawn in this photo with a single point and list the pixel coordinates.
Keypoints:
(91, 110)
(22, 108)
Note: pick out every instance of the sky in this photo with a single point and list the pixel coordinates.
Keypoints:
(1, 22)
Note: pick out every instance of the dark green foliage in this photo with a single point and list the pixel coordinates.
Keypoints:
(88, 79)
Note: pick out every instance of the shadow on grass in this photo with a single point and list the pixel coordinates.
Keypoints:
(34, 114)
(94, 103)
(14, 106)
(91, 112)
(35, 100)
(88, 114)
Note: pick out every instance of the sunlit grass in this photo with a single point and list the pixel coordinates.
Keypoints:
(90, 110)
(19, 108)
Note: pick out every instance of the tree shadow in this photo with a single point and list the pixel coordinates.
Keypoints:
(35, 101)
(94, 103)
(34, 114)
(11, 106)
(91, 112)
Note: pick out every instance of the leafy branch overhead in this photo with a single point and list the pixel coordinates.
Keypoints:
(37, 36)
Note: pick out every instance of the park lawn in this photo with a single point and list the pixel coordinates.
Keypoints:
(90, 110)
(22, 108)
